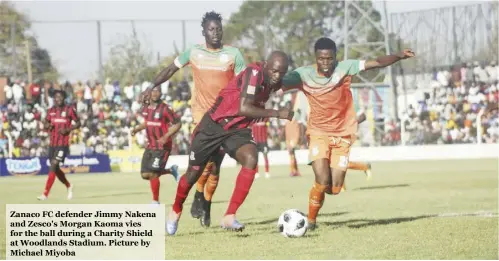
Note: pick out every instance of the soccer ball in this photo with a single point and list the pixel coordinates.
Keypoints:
(292, 223)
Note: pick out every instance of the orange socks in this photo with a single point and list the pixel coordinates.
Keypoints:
(316, 199)
(358, 165)
(294, 165)
(204, 177)
(211, 186)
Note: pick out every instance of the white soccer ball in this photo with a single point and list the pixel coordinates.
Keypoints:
(292, 223)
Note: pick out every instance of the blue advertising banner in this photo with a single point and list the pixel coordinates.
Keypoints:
(97, 163)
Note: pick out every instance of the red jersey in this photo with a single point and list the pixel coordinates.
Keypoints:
(157, 120)
(260, 132)
(59, 118)
(248, 84)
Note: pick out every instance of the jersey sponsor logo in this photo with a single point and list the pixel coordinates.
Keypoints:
(60, 120)
(153, 123)
(251, 90)
(52, 113)
(215, 68)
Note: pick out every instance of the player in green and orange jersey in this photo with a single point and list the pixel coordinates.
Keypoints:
(213, 66)
(332, 122)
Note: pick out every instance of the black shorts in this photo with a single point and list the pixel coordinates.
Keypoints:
(262, 147)
(58, 153)
(209, 136)
(154, 160)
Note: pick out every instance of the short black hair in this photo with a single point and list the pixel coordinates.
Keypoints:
(211, 16)
(63, 93)
(325, 43)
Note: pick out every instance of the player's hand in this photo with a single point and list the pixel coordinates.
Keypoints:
(406, 53)
(64, 131)
(163, 140)
(133, 133)
(285, 113)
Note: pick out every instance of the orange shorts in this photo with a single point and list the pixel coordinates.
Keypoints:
(335, 149)
(292, 143)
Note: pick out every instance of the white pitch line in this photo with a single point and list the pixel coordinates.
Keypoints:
(481, 213)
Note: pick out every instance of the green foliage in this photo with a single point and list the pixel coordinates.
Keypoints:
(42, 66)
(129, 61)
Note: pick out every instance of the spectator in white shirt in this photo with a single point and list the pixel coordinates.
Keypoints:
(480, 73)
(109, 90)
(493, 72)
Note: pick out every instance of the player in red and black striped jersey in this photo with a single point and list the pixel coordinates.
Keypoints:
(226, 125)
(59, 124)
(260, 132)
(157, 120)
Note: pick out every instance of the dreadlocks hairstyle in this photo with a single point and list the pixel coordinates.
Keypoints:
(211, 16)
(325, 43)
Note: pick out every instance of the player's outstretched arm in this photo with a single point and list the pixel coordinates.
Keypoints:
(138, 128)
(247, 108)
(162, 77)
(387, 60)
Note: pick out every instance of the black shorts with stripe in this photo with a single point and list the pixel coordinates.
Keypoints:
(209, 136)
(154, 160)
(58, 153)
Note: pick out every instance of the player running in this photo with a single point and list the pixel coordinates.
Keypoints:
(213, 66)
(260, 133)
(363, 166)
(332, 124)
(157, 120)
(59, 124)
(293, 133)
(238, 106)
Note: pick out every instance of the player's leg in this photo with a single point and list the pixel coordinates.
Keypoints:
(197, 203)
(211, 186)
(56, 155)
(147, 173)
(362, 166)
(292, 159)
(240, 147)
(266, 160)
(51, 176)
(203, 146)
(319, 155)
(259, 149)
(339, 163)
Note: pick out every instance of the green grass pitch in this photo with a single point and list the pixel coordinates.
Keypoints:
(409, 210)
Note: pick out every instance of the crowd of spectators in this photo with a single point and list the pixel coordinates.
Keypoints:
(445, 113)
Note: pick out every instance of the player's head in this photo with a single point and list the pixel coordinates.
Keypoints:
(156, 94)
(325, 55)
(212, 29)
(59, 97)
(276, 67)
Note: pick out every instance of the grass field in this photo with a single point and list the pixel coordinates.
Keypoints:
(409, 210)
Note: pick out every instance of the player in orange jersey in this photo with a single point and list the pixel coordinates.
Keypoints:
(293, 134)
(332, 123)
(213, 66)
(363, 166)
